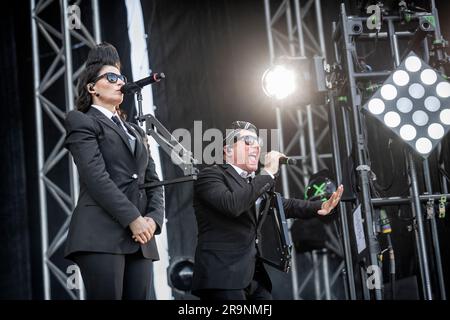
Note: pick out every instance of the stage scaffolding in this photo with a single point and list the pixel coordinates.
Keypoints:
(289, 35)
(57, 41)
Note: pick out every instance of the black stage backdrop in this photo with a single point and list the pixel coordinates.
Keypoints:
(213, 54)
(15, 267)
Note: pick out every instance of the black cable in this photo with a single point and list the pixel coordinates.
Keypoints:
(391, 265)
(355, 57)
(374, 185)
(375, 47)
(441, 164)
(394, 175)
(444, 173)
(399, 216)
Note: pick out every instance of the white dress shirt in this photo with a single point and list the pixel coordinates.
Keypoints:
(109, 115)
(246, 174)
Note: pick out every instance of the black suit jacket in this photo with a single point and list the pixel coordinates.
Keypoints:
(110, 175)
(224, 206)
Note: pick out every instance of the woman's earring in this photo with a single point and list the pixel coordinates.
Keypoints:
(97, 94)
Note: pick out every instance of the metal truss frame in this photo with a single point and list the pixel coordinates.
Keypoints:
(295, 38)
(58, 37)
(345, 42)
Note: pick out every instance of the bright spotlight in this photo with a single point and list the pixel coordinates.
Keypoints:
(436, 131)
(388, 92)
(414, 103)
(423, 145)
(428, 76)
(444, 116)
(279, 82)
(392, 119)
(408, 132)
(413, 63)
(376, 106)
(443, 89)
(401, 78)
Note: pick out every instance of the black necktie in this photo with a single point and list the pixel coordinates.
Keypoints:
(131, 141)
(246, 176)
(117, 121)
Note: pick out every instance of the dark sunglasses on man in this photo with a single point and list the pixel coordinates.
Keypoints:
(111, 77)
(251, 140)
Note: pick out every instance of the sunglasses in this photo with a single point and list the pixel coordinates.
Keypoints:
(251, 140)
(111, 77)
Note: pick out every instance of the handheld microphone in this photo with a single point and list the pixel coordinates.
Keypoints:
(133, 87)
(287, 160)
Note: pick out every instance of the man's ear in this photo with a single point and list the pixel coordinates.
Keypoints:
(227, 149)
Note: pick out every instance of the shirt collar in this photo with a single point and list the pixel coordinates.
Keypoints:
(105, 111)
(241, 172)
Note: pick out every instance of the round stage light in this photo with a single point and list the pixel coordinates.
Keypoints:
(388, 92)
(432, 104)
(428, 76)
(408, 132)
(444, 116)
(400, 78)
(376, 106)
(443, 89)
(436, 131)
(417, 91)
(420, 118)
(278, 82)
(413, 64)
(404, 105)
(423, 145)
(181, 273)
(392, 119)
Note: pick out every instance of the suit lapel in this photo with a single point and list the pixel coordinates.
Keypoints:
(233, 173)
(100, 116)
(241, 181)
(139, 142)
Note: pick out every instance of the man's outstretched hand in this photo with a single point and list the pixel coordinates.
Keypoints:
(331, 203)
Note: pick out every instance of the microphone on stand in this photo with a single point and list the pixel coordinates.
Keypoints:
(136, 87)
(133, 87)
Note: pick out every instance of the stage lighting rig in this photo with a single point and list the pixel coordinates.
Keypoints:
(299, 80)
(414, 102)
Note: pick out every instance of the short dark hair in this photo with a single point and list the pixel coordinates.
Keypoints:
(103, 54)
(237, 126)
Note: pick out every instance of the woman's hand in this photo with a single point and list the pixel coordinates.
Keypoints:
(331, 203)
(142, 230)
(152, 224)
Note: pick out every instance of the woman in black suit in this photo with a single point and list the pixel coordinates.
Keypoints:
(111, 233)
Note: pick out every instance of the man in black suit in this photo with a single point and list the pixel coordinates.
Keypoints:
(226, 264)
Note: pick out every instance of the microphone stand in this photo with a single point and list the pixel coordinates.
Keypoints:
(169, 144)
